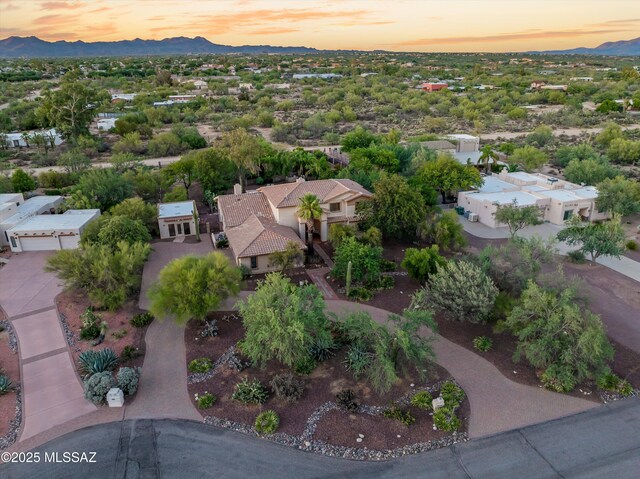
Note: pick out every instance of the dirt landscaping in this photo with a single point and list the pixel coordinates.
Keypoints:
(321, 386)
(120, 334)
(9, 366)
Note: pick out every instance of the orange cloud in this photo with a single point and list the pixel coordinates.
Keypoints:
(55, 19)
(60, 5)
(530, 35)
(272, 31)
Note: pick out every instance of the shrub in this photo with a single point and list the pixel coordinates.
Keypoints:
(97, 386)
(286, 386)
(129, 352)
(206, 400)
(558, 378)
(127, 380)
(305, 365)
(200, 365)
(452, 394)
(632, 245)
(267, 422)
(141, 320)
(90, 328)
(120, 333)
(92, 362)
(625, 388)
(357, 360)
(346, 399)
(250, 392)
(576, 256)
(394, 412)
(422, 399)
(446, 420)
(482, 343)
(210, 329)
(611, 382)
(322, 349)
(6, 384)
(360, 293)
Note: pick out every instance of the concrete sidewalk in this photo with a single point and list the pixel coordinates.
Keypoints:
(599, 443)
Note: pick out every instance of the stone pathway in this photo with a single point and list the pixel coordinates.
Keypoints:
(318, 276)
(52, 391)
(497, 403)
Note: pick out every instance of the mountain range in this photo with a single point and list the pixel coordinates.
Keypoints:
(33, 47)
(624, 48)
(30, 47)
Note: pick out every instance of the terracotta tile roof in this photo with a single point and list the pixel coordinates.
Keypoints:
(260, 236)
(236, 209)
(287, 195)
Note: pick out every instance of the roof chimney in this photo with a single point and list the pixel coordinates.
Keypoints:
(300, 179)
(237, 189)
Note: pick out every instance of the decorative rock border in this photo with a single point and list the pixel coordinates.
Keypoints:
(226, 357)
(305, 441)
(610, 396)
(68, 334)
(14, 425)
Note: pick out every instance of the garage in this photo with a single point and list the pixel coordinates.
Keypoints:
(39, 243)
(69, 241)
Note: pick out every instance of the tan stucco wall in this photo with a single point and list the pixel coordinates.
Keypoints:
(163, 224)
(264, 264)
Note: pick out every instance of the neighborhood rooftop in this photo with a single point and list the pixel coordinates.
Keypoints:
(237, 208)
(260, 236)
(287, 195)
(70, 219)
(171, 210)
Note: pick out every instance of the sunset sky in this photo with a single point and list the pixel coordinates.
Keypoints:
(406, 25)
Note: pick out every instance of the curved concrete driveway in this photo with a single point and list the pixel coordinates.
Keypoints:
(599, 443)
(497, 403)
(52, 393)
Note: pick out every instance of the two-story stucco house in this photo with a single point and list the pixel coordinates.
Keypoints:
(262, 222)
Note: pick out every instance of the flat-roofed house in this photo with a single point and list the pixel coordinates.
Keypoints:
(176, 219)
(14, 210)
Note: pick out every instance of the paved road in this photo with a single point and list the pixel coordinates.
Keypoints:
(52, 391)
(164, 161)
(556, 132)
(603, 442)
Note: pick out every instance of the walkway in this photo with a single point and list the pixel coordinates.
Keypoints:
(52, 392)
(622, 265)
(163, 383)
(599, 443)
(497, 403)
(318, 276)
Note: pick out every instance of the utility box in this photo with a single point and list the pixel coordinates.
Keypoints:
(437, 403)
(115, 397)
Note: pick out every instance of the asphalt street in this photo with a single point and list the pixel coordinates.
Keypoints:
(602, 442)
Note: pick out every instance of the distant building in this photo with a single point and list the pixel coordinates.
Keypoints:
(182, 98)
(431, 87)
(25, 139)
(558, 200)
(585, 79)
(105, 124)
(324, 76)
(200, 85)
(122, 97)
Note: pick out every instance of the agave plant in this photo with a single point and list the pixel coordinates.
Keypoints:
(92, 362)
(5, 384)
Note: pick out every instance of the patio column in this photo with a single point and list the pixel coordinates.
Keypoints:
(302, 229)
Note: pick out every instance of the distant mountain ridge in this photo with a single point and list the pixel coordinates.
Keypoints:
(30, 47)
(624, 48)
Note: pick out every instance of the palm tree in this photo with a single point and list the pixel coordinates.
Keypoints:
(487, 155)
(309, 210)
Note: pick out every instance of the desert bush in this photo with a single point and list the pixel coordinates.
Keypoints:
(97, 386)
(92, 362)
(200, 365)
(90, 328)
(141, 320)
(452, 394)
(446, 420)
(127, 380)
(401, 415)
(357, 360)
(267, 422)
(322, 349)
(482, 343)
(305, 365)
(609, 381)
(6, 384)
(346, 399)
(250, 392)
(205, 400)
(129, 352)
(576, 256)
(422, 399)
(286, 386)
(631, 245)
(360, 293)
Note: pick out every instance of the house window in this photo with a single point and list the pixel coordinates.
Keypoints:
(172, 230)
(333, 207)
(567, 214)
(254, 262)
(187, 229)
(13, 242)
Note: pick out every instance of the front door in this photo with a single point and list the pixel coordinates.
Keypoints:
(172, 229)
(179, 228)
(187, 229)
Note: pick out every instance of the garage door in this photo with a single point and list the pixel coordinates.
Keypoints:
(43, 243)
(69, 242)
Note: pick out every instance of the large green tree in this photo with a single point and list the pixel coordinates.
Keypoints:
(137, 209)
(104, 187)
(282, 321)
(619, 195)
(396, 209)
(447, 176)
(421, 263)
(245, 151)
(21, 181)
(589, 172)
(365, 261)
(182, 170)
(193, 286)
(560, 336)
(528, 158)
(518, 217)
(595, 239)
(122, 228)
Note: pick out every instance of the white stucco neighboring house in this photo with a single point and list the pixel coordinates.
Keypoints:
(14, 210)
